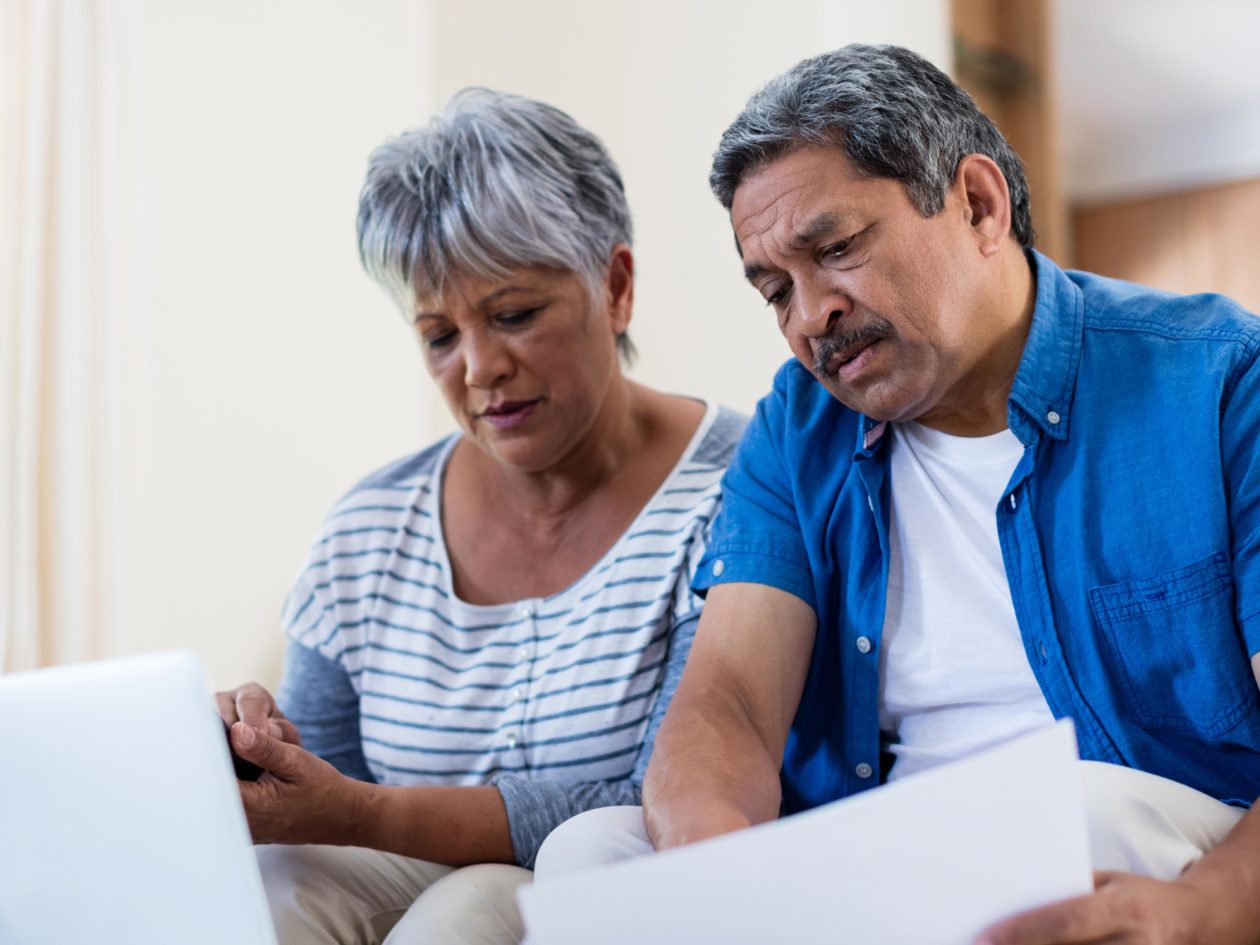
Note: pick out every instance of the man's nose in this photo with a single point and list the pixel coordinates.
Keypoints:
(487, 361)
(819, 308)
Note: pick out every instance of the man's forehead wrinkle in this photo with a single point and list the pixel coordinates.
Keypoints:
(824, 224)
(771, 206)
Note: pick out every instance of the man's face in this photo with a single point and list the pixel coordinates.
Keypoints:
(878, 302)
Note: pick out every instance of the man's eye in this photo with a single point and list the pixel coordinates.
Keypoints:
(836, 250)
(777, 297)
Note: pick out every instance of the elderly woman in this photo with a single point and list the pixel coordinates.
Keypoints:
(486, 632)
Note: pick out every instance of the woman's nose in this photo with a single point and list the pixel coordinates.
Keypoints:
(486, 360)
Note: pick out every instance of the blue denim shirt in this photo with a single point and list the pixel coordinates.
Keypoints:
(1130, 532)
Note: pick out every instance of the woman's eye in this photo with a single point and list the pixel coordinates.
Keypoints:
(440, 340)
(518, 318)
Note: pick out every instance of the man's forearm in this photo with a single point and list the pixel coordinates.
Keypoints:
(716, 764)
(710, 774)
(1228, 877)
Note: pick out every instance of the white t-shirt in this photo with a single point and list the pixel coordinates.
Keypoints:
(954, 677)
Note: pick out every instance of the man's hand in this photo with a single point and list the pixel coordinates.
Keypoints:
(1122, 909)
(253, 705)
(300, 798)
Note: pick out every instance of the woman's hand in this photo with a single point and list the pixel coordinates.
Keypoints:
(253, 705)
(300, 798)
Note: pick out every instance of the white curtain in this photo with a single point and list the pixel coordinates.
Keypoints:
(70, 353)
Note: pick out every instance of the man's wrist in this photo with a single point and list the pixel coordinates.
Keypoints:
(1218, 917)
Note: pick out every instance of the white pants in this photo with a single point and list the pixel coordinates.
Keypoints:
(1138, 823)
(325, 895)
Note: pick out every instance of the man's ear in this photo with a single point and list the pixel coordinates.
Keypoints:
(620, 286)
(980, 183)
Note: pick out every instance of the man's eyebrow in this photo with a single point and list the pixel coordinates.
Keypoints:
(822, 225)
(752, 271)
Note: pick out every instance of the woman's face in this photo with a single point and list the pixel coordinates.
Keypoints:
(526, 363)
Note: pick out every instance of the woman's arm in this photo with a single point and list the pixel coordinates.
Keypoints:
(535, 808)
(316, 694)
(301, 798)
(304, 799)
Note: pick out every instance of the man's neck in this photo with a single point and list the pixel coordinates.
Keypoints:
(978, 405)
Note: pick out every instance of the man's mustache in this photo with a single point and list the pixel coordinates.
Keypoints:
(836, 343)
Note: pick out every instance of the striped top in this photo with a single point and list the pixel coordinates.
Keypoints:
(558, 688)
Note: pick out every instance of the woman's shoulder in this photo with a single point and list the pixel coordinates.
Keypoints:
(407, 472)
(718, 441)
(395, 498)
(694, 483)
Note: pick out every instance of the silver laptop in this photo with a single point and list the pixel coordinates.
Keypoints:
(120, 819)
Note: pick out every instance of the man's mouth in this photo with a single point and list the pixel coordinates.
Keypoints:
(846, 355)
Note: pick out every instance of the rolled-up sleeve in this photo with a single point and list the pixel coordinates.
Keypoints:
(757, 535)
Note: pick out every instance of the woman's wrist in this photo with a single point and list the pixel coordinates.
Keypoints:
(362, 811)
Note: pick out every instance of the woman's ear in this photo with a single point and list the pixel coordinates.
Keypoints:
(982, 185)
(620, 286)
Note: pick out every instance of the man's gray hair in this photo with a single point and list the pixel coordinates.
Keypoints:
(495, 182)
(892, 112)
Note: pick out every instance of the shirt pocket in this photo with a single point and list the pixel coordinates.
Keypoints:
(1176, 650)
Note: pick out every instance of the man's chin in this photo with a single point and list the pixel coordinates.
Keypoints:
(872, 405)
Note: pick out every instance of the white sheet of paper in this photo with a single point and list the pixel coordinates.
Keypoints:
(930, 860)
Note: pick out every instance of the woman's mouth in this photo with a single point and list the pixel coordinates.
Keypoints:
(509, 413)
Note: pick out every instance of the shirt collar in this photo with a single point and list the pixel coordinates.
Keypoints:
(1045, 383)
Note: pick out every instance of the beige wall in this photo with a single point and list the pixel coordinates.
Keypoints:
(276, 374)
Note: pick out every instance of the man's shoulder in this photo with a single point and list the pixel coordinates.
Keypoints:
(800, 427)
(1114, 305)
(800, 410)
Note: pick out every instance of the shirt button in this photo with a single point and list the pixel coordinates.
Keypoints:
(718, 567)
(517, 695)
(863, 770)
(1053, 417)
(511, 740)
(525, 610)
(864, 644)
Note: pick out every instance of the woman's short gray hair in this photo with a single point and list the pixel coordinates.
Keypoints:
(495, 182)
(892, 112)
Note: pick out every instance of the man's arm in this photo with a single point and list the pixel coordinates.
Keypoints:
(716, 765)
(1215, 902)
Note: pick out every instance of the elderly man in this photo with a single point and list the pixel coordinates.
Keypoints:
(985, 494)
